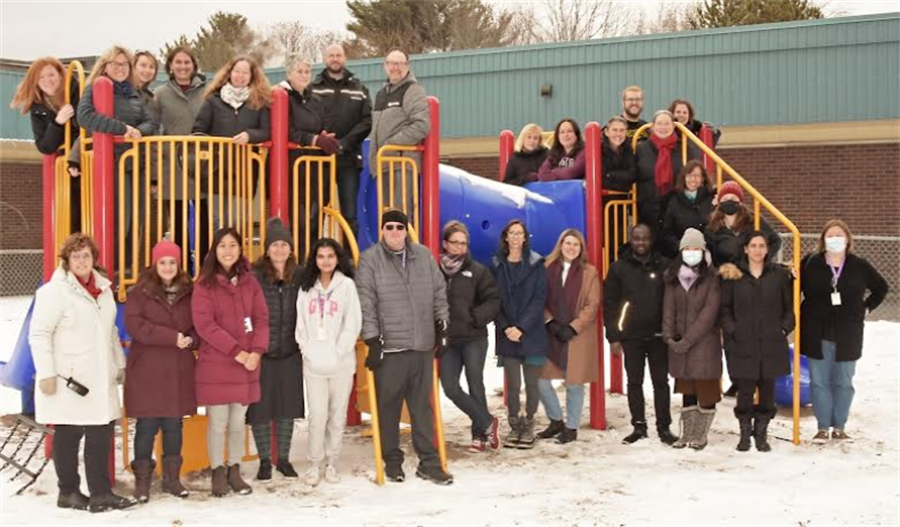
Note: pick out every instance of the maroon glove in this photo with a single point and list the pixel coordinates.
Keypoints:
(328, 144)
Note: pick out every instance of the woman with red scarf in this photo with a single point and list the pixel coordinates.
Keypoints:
(659, 160)
(573, 297)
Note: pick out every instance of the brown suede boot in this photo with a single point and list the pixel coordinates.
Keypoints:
(220, 481)
(143, 477)
(236, 482)
(171, 482)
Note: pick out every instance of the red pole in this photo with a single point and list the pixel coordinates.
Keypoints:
(431, 191)
(507, 145)
(104, 179)
(354, 418)
(707, 137)
(278, 162)
(594, 234)
(48, 180)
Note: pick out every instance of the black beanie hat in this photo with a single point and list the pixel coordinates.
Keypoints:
(276, 231)
(394, 216)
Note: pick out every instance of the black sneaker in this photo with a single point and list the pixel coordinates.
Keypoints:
(435, 475)
(109, 502)
(287, 470)
(640, 432)
(265, 470)
(395, 473)
(666, 435)
(554, 429)
(567, 436)
(73, 500)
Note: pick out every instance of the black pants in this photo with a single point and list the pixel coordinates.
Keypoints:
(348, 191)
(747, 390)
(66, 442)
(145, 434)
(511, 369)
(655, 353)
(202, 239)
(406, 376)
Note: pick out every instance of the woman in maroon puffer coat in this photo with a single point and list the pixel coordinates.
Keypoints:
(232, 318)
(160, 371)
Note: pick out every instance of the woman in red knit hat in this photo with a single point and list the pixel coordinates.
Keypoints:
(160, 371)
(730, 222)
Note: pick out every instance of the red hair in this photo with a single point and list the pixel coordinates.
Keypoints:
(29, 93)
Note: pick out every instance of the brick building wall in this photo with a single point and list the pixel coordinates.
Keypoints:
(21, 222)
(809, 184)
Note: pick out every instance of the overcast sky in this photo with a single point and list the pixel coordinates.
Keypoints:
(67, 29)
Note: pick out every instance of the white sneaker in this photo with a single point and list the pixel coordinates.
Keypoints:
(313, 476)
(331, 475)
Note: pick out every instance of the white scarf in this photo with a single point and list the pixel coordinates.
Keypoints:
(234, 97)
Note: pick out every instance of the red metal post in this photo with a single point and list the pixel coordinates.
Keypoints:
(104, 179)
(507, 145)
(48, 180)
(707, 137)
(354, 418)
(279, 171)
(431, 189)
(594, 235)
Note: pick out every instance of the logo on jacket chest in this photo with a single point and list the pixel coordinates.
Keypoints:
(328, 307)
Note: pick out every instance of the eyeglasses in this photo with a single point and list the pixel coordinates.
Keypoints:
(393, 226)
(634, 99)
(457, 244)
(515, 234)
(115, 64)
(396, 63)
(75, 257)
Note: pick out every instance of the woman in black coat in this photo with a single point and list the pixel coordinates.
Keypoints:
(690, 206)
(756, 314)
(730, 223)
(684, 113)
(659, 160)
(281, 373)
(618, 157)
(528, 156)
(834, 281)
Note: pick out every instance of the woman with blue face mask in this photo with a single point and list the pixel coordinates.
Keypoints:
(835, 282)
(690, 206)
(690, 329)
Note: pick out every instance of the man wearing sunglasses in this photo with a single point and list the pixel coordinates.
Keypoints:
(404, 304)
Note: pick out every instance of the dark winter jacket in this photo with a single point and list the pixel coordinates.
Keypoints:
(347, 110)
(639, 286)
(127, 110)
(401, 303)
(474, 301)
(523, 294)
(568, 167)
(618, 166)
(696, 126)
(693, 315)
(756, 315)
(846, 320)
(221, 312)
(727, 246)
(681, 215)
(523, 166)
(160, 375)
(217, 118)
(632, 128)
(651, 205)
(304, 115)
(281, 299)
(49, 135)
(400, 116)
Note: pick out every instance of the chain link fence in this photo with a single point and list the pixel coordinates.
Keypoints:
(20, 271)
(883, 252)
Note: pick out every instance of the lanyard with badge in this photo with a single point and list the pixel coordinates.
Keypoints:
(835, 276)
(320, 322)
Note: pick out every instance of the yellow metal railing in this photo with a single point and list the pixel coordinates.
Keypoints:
(386, 166)
(167, 172)
(616, 228)
(759, 203)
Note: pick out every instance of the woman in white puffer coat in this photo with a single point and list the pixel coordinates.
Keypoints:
(329, 320)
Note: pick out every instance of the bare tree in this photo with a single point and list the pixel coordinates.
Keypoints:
(568, 20)
(296, 39)
(668, 18)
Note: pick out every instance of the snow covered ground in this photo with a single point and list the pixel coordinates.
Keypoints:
(595, 481)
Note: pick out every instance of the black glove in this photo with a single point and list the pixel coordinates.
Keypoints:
(553, 328)
(376, 352)
(441, 335)
(566, 333)
(328, 144)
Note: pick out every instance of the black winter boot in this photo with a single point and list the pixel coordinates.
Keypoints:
(640, 432)
(264, 473)
(567, 436)
(73, 500)
(109, 502)
(172, 477)
(746, 423)
(553, 430)
(666, 435)
(760, 433)
(143, 478)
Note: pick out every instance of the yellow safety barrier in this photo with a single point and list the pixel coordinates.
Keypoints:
(328, 217)
(405, 166)
(616, 211)
(759, 202)
(228, 189)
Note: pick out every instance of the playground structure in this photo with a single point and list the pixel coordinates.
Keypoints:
(444, 193)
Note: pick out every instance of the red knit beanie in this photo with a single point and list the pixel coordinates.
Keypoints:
(731, 187)
(165, 248)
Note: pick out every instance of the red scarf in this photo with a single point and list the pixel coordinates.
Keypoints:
(90, 285)
(662, 172)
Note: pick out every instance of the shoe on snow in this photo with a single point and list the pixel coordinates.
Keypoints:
(435, 475)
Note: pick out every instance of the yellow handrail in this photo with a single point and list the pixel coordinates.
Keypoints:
(392, 161)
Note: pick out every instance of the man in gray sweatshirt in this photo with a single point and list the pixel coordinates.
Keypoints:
(403, 298)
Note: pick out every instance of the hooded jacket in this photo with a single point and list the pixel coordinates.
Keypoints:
(693, 315)
(328, 323)
(473, 299)
(619, 173)
(523, 295)
(523, 166)
(49, 135)
(400, 116)
(682, 214)
(633, 297)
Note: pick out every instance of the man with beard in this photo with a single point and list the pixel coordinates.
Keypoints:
(348, 115)
(632, 106)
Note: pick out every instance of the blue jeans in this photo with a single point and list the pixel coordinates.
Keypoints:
(832, 387)
(471, 356)
(574, 402)
(145, 434)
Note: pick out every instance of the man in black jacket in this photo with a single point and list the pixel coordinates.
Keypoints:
(632, 315)
(348, 115)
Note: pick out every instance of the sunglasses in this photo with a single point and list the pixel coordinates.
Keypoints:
(392, 226)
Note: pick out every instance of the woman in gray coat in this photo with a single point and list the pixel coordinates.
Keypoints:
(691, 330)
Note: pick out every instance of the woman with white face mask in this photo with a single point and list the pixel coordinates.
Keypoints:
(690, 329)
(834, 282)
